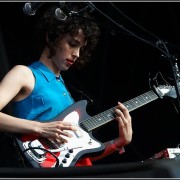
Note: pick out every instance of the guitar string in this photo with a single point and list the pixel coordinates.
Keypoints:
(102, 118)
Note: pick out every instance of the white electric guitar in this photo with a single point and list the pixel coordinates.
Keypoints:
(40, 152)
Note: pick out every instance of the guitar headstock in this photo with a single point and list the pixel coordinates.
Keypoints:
(166, 90)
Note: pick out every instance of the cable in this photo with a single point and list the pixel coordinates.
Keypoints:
(141, 27)
(121, 26)
(32, 148)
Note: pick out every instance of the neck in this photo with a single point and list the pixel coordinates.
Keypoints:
(49, 62)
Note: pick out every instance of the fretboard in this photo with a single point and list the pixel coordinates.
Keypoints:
(109, 115)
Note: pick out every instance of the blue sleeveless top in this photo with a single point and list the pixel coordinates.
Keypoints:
(48, 98)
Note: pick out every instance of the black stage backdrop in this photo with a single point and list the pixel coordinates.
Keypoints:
(120, 69)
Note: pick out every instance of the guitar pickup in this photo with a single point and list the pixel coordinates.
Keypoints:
(78, 132)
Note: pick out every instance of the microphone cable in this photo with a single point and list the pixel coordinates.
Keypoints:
(130, 32)
(141, 27)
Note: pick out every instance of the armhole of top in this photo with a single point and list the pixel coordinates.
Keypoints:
(35, 80)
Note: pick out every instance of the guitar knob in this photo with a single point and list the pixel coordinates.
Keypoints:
(71, 151)
(67, 155)
(90, 142)
(64, 160)
(61, 165)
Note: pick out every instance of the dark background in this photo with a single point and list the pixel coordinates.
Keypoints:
(119, 71)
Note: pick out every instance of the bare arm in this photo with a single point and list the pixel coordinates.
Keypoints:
(20, 78)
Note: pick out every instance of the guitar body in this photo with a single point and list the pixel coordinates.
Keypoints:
(41, 152)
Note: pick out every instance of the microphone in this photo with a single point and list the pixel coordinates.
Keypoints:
(62, 12)
(31, 8)
(60, 15)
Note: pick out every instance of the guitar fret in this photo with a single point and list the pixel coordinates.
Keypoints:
(143, 102)
(143, 99)
(134, 102)
(152, 95)
(138, 101)
(98, 120)
(94, 124)
(87, 124)
(128, 105)
(148, 96)
(102, 118)
(108, 115)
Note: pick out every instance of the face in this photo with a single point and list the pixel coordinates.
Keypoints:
(68, 50)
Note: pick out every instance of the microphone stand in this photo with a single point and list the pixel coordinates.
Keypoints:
(176, 76)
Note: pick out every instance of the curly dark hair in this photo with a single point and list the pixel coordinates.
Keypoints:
(54, 29)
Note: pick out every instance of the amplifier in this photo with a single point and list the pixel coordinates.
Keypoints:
(169, 153)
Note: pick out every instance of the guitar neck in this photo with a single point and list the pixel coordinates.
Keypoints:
(108, 115)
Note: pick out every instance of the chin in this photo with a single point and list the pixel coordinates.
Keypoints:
(65, 68)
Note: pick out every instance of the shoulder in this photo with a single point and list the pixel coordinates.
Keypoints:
(21, 73)
(16, 79)
(21, 69)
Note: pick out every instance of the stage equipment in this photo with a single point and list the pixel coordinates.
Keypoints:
(168, 153)
(30, 8)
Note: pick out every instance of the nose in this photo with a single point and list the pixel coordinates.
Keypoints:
(76, 53)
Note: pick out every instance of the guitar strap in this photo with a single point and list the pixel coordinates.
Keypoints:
(81, 95)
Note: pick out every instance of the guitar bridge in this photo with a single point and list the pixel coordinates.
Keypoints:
(39, 148)
(34, 145)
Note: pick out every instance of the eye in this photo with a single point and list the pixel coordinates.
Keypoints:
(72, 44)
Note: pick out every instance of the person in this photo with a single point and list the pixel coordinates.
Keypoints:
(38, 91)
